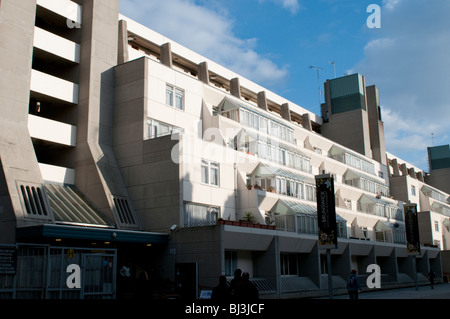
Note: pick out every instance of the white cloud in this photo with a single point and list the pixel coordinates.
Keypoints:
(207, 32)
(292, 5)
(408, 62)
(390, 4)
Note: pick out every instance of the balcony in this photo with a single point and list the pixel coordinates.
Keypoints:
(241, 223)
(57, 174)
(56, 45)
(65, 8)
(52, 131)
(52, 86)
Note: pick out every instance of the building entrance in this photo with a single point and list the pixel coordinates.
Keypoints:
(47, 272)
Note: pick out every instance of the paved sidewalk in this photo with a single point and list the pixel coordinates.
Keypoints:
(440, 291)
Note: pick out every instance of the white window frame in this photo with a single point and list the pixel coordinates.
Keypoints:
(173, 96)
(436, 225)
(209, 170)
(152, 124)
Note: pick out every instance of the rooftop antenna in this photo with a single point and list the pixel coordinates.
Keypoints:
(318, 81)
(334, 67)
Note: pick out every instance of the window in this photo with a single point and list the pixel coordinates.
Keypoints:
(413, 190)
(348, 203)
(174, 97)
(230, 262)
(436, 225)
(196, 215)
(210, 173)
(265, 124)
(288, 264)
(156, 129)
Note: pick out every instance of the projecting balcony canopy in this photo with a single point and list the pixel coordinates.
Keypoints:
(388, 226)
(440, 208)
(349, 158)
(245, 136)
(364, 182)
(366, 199)
(435, 194)
(265, 170)
(226, 105)
(288, 207)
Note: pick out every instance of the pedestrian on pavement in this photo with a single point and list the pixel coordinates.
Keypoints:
(246, 290)
(236, 280)
(431, 277)
(222, 292)
(353, 285)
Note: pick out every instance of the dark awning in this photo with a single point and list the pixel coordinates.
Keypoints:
(90, 233)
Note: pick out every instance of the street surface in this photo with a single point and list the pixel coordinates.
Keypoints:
(440, 291)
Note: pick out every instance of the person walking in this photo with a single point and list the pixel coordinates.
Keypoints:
(222, 292)
(431, 277)
(236, 280)
(353, 285)
(246, 290)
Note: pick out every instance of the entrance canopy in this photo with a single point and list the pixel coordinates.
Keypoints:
(90, 233)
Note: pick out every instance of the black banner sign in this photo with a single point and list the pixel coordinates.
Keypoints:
(326, 212)
(8, 260)
(412, 229)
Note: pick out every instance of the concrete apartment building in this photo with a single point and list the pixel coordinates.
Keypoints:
(120, 147)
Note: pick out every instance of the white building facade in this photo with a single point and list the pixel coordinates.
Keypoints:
(173, 150)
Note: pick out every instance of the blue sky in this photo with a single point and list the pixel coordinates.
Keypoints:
(273, 43)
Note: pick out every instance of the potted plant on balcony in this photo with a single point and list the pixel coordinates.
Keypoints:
(249, 186)
(248, 219)
(271, 189)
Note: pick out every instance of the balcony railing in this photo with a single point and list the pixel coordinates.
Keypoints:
(304, 224)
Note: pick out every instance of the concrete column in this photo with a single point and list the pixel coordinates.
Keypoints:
(395, 170)
(365, 261)
(203, 72)
(309, 265)
(262, 101)
(235, 88)
(306, 121)
(406, 266)
(285, 111)
(412, 172)
(376, 127)
(342, 264)
(18, 163)
(403, 169)
(123, 43)
(96, 173)
(423, 264)
(166, 54)
(267, 265)
(390, 266)
(420, 176)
